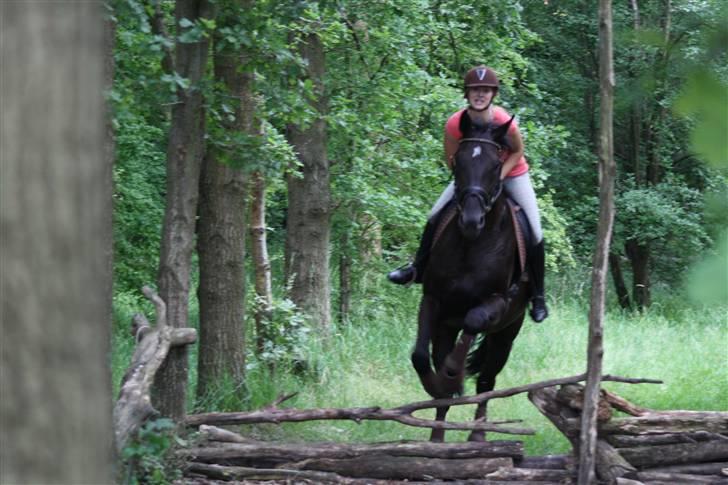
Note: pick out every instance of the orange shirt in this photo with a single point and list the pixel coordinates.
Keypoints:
(499, 117)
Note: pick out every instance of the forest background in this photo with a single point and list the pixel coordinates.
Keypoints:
(301, 144)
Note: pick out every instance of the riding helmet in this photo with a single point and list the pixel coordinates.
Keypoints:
(481, 76)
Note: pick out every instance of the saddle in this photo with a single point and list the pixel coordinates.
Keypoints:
(521, 230)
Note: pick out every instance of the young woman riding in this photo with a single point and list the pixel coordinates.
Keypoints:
(481, 88)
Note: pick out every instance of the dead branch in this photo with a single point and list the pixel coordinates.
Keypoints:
(402, 414)
(134, 405)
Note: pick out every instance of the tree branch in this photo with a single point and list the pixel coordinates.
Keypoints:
(401, 414)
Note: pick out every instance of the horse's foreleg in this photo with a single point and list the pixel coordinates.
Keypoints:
(452, 372)
(438, 435)
(429, 309)
(486, 316)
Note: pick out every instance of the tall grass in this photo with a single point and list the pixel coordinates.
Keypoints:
(366, 363)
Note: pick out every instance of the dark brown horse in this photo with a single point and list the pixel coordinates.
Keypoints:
(472, 281)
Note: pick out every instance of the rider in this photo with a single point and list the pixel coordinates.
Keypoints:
(481, 87)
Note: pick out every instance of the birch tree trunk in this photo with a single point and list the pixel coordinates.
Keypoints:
(184, 157)
(307, 230)
(55, 234)
(221, 229)
(607, 171)
(261, 262)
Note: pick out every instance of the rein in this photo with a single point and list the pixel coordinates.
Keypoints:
(486, 203)
(483, 140)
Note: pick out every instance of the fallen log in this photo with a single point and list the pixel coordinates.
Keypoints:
(654, 478)
(531, 475)
(610, 465)
(551, 462)
(233, 473)
(626, 441)
(662, 455)
(715, 468)
(228, 473)
(269, 454)
(572, 395)
(213, 433)
(134, 406)
(405, 468)
(669, 422)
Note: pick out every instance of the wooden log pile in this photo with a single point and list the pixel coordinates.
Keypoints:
(224, 455)
(650, 447)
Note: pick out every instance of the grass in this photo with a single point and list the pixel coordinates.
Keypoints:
(366, 363)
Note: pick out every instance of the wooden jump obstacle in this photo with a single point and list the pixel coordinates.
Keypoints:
(649, 447)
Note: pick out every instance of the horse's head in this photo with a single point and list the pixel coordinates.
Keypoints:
(477, 172)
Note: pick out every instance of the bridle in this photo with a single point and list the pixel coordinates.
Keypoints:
(485, 200)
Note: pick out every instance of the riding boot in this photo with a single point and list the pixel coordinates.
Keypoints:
(414, 272)
(536, 267)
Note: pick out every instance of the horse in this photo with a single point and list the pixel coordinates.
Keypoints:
(472, 282)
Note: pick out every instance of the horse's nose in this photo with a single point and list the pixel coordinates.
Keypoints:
(470, 227)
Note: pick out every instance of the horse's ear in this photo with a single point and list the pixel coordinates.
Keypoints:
(499, 132)
(466, 123)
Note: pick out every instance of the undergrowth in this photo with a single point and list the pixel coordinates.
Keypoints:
(366, 362)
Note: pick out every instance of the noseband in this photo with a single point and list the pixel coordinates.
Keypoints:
(486, 202)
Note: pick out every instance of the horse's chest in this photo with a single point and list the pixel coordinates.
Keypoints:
(465, 275)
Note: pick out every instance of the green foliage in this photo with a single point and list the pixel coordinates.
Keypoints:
(139, 184)
(287, 332)
(149, 458)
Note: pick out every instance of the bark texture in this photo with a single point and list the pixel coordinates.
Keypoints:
(55, 223)
(308, 223)
(184, 157)
(134, 405)
(221, 228)
(607, 171)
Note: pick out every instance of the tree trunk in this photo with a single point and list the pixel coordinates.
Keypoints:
(607, 169)
(221, 230)
(635, 117)
(55, 233)
(261, 261)
(307, 236)
(639, 256)
(344, 276)
(184, 157)
(620, 287)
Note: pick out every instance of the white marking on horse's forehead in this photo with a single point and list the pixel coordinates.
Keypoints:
(476, 151)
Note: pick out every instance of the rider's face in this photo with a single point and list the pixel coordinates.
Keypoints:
(480, 97)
